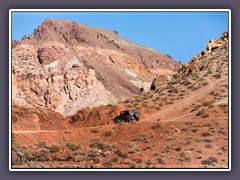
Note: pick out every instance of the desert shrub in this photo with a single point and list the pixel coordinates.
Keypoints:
(200, 112)
(54, 148)
(205, 84)
(223, 105)
(108, 133)
(140, 139)
(141, 90)
(96, 143)
(150, 97)
(73, 147)
(186, 83)
(166, 150)
(95, 159)
(173, 90)
(132, 151)
(126, 101)
(146, 148)
(144, 95)
(195, 88)
(184, 129)
(129, 162)
(173, 82)
(14, 118)
(205, 116)
(155, 154)
(207, 103)
(208, 146)
(217, 76)
(181, 95)
(205, 134)
(211, 93)
(195, 108)
(178, 149)
(92, 154)
(190, 87)
(42, 115)
(156, 126)
(209, 72)
(158, 108)
(160, 161)
(115, 159)
(194, 130)
(170, 138)
(148, 162)
(43, 154)
(152, 107)
(185, 157)
(109, 105)
(162, 93)
(225, 111)
(198, 151)
(108, 164)
(137, 160)
(209, 161)
(145, 104)
(121, 154)
(42, 144)
(67, 132)
(211, 106)
(135, 105)
(94, 130)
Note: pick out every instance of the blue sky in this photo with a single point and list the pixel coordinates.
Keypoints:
(180, 34)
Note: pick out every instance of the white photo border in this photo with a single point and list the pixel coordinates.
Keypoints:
(119, 10)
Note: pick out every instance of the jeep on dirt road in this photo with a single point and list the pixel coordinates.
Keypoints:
(127, 116)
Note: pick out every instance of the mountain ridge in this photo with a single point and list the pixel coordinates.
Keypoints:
(65, 66)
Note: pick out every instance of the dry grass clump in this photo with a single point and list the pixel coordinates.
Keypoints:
(121, 154)
(156, 126)
(73, 147)
(205, 134)
(95, 130)
(207, 103)
(209, 161)
(217, 76)
(108, 133)
(97, 144)
(200, 112)
(54, 148)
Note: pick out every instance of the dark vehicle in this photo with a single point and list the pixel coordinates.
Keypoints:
(127, 116)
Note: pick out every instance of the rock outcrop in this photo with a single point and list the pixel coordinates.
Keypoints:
(160, 81)
(204, 60)
(65, 66)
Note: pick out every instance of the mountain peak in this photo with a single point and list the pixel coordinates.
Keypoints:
(67, 66)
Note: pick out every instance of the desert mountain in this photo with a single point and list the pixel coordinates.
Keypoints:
(183, 124)
(65, 66)
(207, 72)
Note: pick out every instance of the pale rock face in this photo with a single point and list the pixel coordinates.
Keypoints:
(65, 66)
